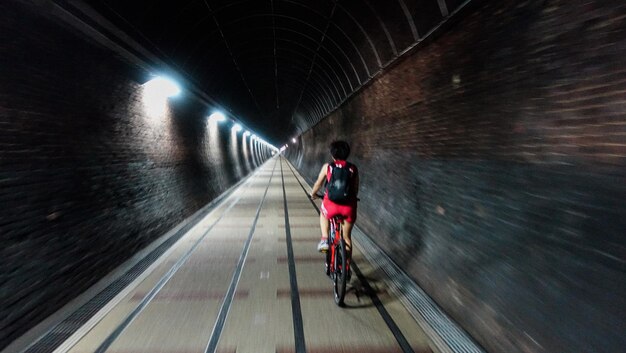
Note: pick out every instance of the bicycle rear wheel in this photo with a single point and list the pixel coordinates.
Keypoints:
(341, 275)
(327, 264)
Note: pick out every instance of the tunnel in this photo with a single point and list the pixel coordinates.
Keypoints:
(158, 159)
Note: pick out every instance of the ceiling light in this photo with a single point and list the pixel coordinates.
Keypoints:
(217, 117)
(162, 87)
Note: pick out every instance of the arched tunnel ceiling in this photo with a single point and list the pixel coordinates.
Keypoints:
(279, 65)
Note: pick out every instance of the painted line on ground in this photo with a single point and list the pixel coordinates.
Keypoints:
(296, 310)
(228, 299)
(190, 296)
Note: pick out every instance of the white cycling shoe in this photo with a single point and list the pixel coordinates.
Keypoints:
(323, 245)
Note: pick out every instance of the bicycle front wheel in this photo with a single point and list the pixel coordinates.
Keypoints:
(341, 274)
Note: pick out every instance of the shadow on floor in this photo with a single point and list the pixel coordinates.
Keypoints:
(366, 286)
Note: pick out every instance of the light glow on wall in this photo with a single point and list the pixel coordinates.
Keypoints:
(234, 149)
(215, 150)
(246, 151)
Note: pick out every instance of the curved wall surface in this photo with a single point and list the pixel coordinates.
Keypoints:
(91, 168)
(492, 163)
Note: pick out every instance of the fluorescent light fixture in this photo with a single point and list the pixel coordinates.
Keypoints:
(237, 128)
(155, 96)
(293, 140)
(217, 117)
(162, 87)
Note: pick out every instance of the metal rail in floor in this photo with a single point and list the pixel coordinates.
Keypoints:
(247, 278)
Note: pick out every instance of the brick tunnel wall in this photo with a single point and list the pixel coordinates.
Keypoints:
(87, 176)
(493, 171)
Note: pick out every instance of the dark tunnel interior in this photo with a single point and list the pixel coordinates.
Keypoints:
(490, 137)
(286, 63)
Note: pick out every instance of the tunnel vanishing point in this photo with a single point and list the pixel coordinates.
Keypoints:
(156, 159)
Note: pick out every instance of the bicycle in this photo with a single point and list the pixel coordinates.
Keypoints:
(337, 262)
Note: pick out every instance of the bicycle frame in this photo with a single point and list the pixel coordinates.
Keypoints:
(334, 239)
(335, 257)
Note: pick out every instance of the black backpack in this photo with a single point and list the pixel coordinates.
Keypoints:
(340, 187)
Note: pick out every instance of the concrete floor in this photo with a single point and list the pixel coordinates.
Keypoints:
(203, 303)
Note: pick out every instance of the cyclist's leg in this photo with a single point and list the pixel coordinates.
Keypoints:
(347, 235)
(349, 213)
(325, 226)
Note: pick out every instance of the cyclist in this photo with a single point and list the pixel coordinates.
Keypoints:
(339, 150)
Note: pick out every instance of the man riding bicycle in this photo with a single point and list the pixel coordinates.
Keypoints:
(340, 196)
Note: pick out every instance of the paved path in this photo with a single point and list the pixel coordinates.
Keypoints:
(242, 281)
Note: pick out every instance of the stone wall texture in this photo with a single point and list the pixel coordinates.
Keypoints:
(89, 173)
(493, 165)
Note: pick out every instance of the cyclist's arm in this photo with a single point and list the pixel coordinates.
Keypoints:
(320, 180)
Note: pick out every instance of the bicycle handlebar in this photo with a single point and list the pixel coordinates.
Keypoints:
(322, 196)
